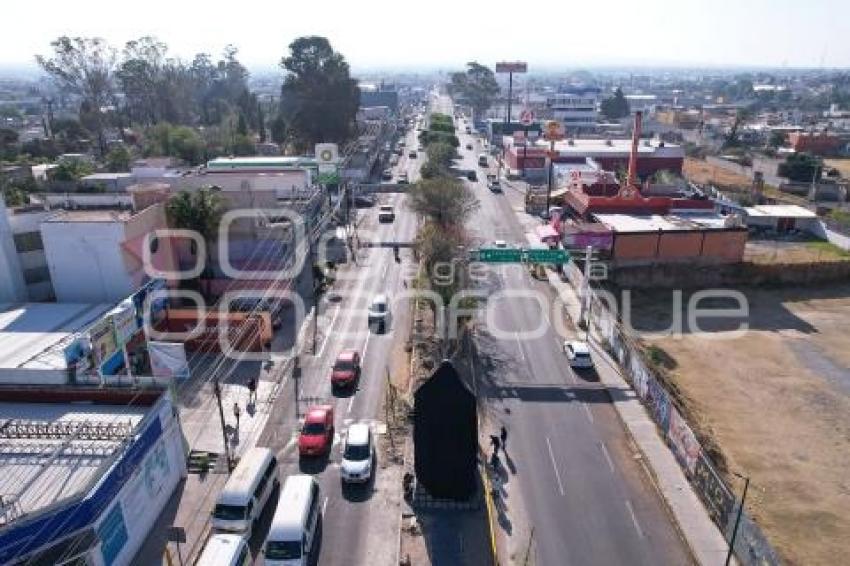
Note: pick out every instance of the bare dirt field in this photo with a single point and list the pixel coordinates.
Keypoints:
(843, 165)
(777, 402)
(699, 171)
(777, 251)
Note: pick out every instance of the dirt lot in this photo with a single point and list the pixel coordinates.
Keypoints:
(699, 171)
(777, 401)
(777, 251)
(843, 165)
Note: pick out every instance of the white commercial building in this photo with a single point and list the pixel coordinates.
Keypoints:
(84, 473)
(96, 256)
(577, 110)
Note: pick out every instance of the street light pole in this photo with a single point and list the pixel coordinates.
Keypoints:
(737, 518)
(551, 173)
(217, 391)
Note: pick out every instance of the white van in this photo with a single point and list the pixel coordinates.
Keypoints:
(245, 494)
(482, 160)
(293, 530)
(225, 550)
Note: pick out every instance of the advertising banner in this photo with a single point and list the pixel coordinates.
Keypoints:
(102, 335)
(168, 359)
(512, 67)
(124, 321)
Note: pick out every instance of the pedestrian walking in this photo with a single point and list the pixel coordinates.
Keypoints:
(503, 435)
(495, 443)
(236, 413)
(252, 390)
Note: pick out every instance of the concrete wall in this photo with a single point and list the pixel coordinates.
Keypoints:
(86, 261)
(679, 245)
(712, 246)
(725, 246)
(634, 246)
(682, 276)
(12, 286)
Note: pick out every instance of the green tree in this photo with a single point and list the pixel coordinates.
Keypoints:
(442, 154)
(8, 143)
(477, 87)
(801, 167)
(279, 130)
(176, 141)
(38, 148)
(200, 211)
(776, 139)
(72, 170)
(261, 123)
(84, 67)
(241, 125)
(118, 159)
(243, 145)
(446, 201)
(319, 99)
(615, 107)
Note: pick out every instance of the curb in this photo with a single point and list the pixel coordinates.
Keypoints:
(488, 502)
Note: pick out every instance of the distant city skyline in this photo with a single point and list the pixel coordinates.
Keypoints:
(444, 35)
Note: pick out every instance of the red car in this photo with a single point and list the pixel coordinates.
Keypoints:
(346, 369)
(317, 434)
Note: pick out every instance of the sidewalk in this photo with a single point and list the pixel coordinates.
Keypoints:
(192, 501)
(701, 534)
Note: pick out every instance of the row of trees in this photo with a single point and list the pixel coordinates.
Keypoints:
(440, 143)
(144, 86)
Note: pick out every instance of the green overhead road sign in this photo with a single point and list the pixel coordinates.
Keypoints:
(546, 256)
(499, 255)
(516, 255)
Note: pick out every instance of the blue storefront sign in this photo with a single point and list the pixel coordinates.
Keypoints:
(113, 534)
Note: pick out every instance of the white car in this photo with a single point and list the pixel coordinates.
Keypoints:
(578, 354)
(500, 244)
(358, 455)
(379, 313)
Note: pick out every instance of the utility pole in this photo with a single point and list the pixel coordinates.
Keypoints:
(316, 295)
(737, 518)
(551, 173)
(585, 288)
(217, 390)
(510, 96)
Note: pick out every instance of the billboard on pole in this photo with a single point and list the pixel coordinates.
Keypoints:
(512, 67)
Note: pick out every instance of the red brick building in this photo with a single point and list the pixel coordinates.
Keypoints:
(818, 143)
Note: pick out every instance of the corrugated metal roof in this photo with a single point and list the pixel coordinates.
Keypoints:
(31, 333)
(40, 471)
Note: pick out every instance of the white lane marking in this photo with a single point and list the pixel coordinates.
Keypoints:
(384, 275)
(350, 403)
(555, 466)
(587, 411)
(328, 331)
(519, 346)
(634, 518)
(324, 505)
(366, 345)
(607, 456)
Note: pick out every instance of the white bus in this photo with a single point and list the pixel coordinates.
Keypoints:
(245, 494)
(292, 534)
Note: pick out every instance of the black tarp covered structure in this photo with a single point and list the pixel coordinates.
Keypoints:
(445, 435)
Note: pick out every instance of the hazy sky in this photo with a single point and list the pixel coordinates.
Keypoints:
(447, 33)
